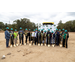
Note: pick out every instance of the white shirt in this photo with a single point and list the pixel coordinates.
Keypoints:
(33, 34)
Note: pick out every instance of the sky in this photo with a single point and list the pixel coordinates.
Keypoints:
(37, 17)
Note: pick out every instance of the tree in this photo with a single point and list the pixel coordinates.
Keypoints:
(25, 23)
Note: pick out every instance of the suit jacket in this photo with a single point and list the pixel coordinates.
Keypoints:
(38, 36)
(49, 34)
(21, 32)
(7, 35)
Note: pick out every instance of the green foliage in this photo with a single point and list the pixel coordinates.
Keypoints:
(24, 23)
(69, 25)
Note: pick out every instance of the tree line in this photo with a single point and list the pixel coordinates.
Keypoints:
(24, 23)
(69, 25)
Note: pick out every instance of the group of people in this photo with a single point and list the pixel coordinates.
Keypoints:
(37, 37)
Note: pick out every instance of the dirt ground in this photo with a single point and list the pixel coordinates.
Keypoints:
(38, 53)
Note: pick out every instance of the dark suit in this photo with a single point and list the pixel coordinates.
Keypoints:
(48, 38)
(38, 37)
(21, 36)
(12, 37)
(57, 38)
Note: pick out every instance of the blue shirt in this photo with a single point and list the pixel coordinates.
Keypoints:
(7, 35)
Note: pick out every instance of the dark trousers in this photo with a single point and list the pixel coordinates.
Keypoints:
(21, 40)
(33, 40)
(26, 39)
(12, 41)
(36, 40)
(29, 39)
(57, 40)
(7, 42)
(65, 43)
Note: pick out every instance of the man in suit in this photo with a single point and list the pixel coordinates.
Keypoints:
(21, 36)
(63, 31)
(36, 40)
(38, 37)
(44, 37)
(60, 36)
(7, 37)
(48, 37)
(29, 34)
(57, 37)
(26, 35)
(41, 37)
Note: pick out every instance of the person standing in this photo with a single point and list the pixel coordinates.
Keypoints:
(21, 36)
(29, 34)
(33, 36)
(41, 37)
(15, 37)
(60, 36)
(57, 37)
(36, 40)
(11, 37)
(48, 37)
(38, 37)
(26, 35)
(63, 31)
(7, 37)
(44, 37)
(52, 34)
(65, 39)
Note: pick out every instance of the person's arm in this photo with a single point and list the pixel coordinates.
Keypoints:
(8, 34)
(67, 35)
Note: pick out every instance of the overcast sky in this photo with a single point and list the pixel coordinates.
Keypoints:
(37, 17)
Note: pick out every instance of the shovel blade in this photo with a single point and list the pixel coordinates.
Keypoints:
(25, 44)
(38, 44)
(60, 45)
(11, 46)
(30, 44)
(41, 44)
(52, 45)
(45, 44)
(48, 45)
